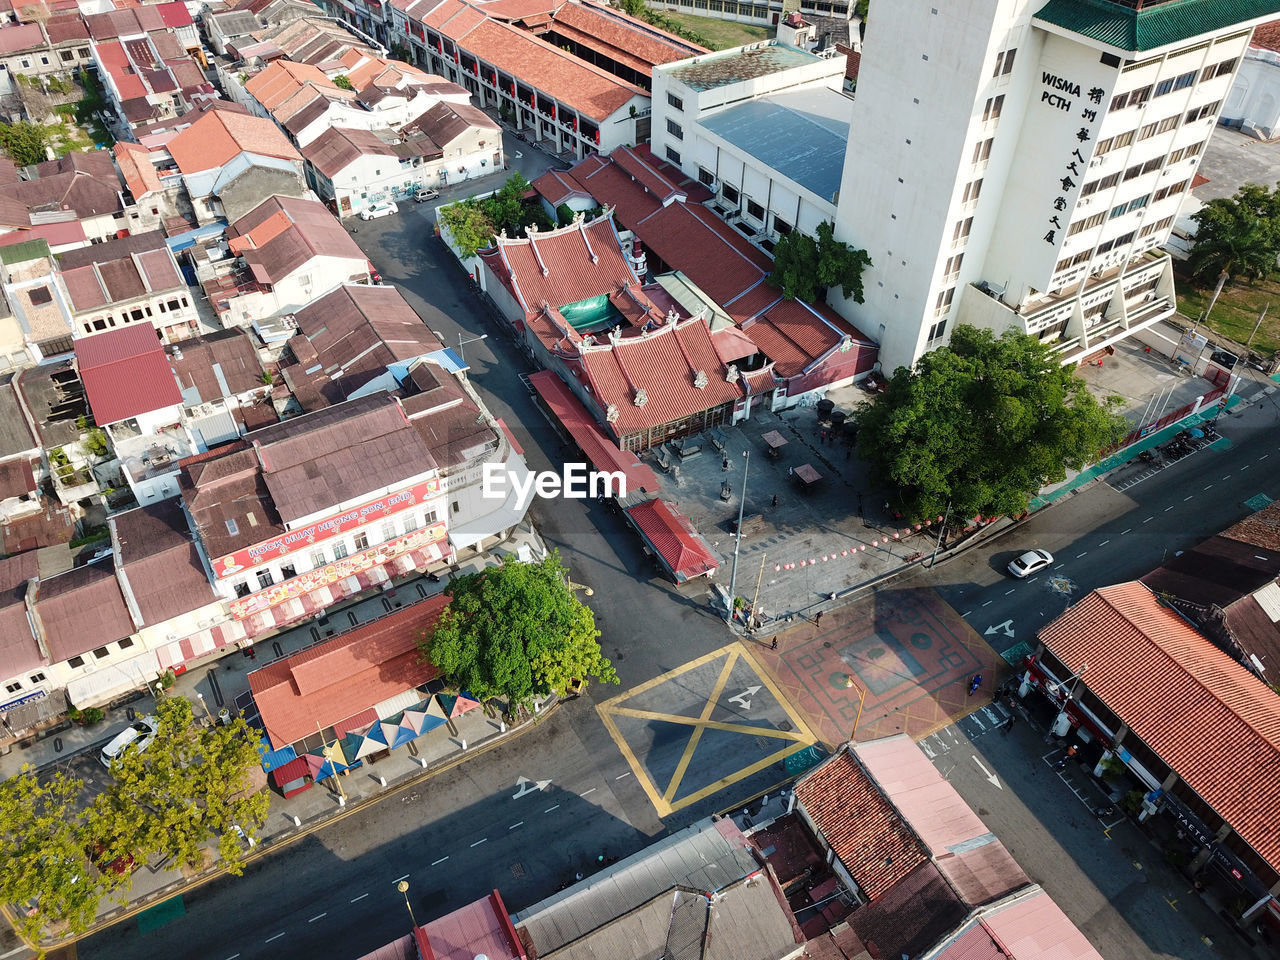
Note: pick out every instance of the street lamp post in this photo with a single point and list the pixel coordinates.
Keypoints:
(403, 887)
(737, 541)
(941, 532)
(200, 697)
(462, 343)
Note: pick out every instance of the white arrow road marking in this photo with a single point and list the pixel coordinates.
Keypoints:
(994, 780)
(1006, 628)
(527, 786)
(742, 698)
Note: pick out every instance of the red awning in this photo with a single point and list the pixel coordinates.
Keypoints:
(673, 537)
(595, 443)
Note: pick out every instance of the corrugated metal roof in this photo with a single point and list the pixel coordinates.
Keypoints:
(1211, 720)
(1157, 24)
(707, 856)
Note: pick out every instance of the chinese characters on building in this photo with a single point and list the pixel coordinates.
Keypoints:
(1065, 95)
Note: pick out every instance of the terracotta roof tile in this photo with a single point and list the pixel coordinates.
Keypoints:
(1266, 36)
(220, 135)
(672, 534)
(139, 173)
(860, 824)
(619, 37)
(282, 234)
(1213, 722)
(332, 681)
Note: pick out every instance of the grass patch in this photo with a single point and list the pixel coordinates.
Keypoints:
(720, 34)
(1236, 311)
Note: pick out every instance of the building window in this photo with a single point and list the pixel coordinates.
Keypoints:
(75, 662)
(673, 156)
(1140, 96)
(780, 226)
(339, 550)
(125, 644)
(1164, 86)
(1117, 211)
(1184, 80)
(675, 130)
(674, 101)
(1097, 220)
(731, 194)
(388, 531)
(318, 560)
(173, 304)
(101, 653)
(972, 190)
(430, 517)
(992, 110)
(264, 579)
(36, 678)
(755, 211)
(1004, 62)
(288, 571)
(362, 540)
(242, 589)
(67, 56)
(982, 150)
(952, 269)
(410, 523)
(13, 687)
(1208, 110)
(937, 330)
(943, 303)
(962, 229)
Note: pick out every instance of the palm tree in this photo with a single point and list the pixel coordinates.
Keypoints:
(1236, 236)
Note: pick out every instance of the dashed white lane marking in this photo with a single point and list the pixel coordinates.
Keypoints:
(1227, 477)
(319, 916)
(276, 937)
(398, 879)
(627, 774)
(1079, 555)
(1007, 592)
(1208, 485)
(514, 825)
(549, 809)
(12, 952)
(1170, 506)
(1245, 467)
(359, 898)
(1263, 457)
(592, 790)
(1125, 530)
(1104, 543)
(988, 603)
(436, 863)
(1148, 520)
(1185, 499)
(480, 841)
(965, 614)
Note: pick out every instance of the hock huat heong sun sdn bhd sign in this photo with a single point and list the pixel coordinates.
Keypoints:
(336, 525)
(573, 482)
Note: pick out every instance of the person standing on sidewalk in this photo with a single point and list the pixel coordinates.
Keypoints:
(817, 620)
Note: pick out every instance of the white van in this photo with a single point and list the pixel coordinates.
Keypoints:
(138, 736)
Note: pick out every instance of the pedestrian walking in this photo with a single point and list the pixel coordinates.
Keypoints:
(774, 645)
(775, 501)
(817, 621)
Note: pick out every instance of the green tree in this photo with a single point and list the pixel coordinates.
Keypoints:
(1237, 236)
(516, 631)
(190, 787)
(46, 872)
(24, 142)
(804, 266)
(470, 226)
(474, 223)
(982, 425)
(343, 81)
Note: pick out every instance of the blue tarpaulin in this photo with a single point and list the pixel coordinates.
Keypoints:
(273, 759)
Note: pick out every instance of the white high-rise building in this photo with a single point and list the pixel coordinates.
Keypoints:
(1019, 163)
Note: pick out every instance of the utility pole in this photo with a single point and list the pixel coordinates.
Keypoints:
(759, 580)
(941, 532)
(737, 543)
(1258, 324)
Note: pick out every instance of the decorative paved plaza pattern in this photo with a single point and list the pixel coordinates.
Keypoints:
(705, 725)
(910, 652)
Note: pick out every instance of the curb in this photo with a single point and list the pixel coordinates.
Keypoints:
(270, 845)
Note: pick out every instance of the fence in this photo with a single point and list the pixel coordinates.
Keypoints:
(1221, 380)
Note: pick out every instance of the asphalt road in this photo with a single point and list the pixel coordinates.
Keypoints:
(1101, 536)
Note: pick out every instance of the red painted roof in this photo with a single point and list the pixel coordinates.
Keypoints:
(332, 681)
(595, 443)
(619, 37)
(1266, 36)
(665, 364)
(860, 824)
(175, 14)
(1028, 928)
(116, 60)
(672, 534)
(125, 373)
(1212, 721)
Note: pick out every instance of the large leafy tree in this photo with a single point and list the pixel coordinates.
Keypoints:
(804, 266)
(1237, 236)
(516, 631)
(981, 425)
(45, 870)
(192, 786)
(474, 223)
(24, 142)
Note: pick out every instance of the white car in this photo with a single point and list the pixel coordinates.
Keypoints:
(137, 736)
(379, 210)
(1030, 562)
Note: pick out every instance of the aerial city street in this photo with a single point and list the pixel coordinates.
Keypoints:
(515, 480)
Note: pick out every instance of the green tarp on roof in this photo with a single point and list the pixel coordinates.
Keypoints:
(1157, 24)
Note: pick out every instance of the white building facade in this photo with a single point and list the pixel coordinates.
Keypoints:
(1017, 164)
